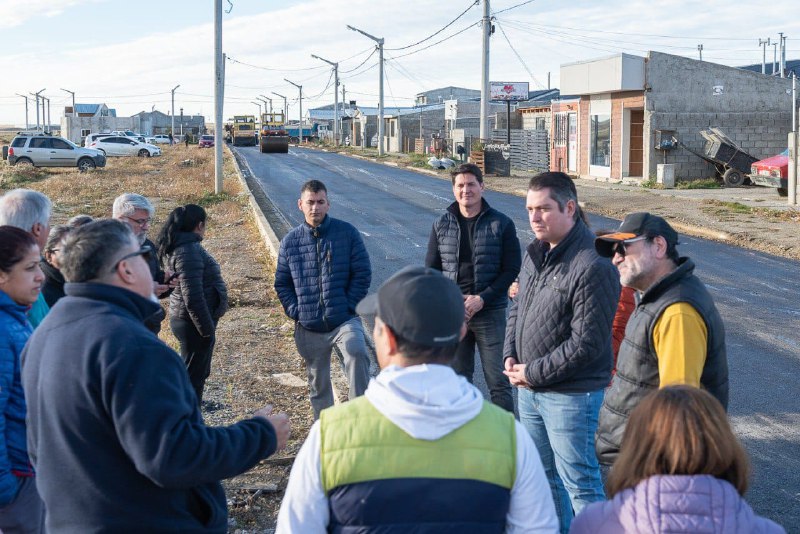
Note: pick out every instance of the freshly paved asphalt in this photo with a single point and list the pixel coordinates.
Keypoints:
(757, 295)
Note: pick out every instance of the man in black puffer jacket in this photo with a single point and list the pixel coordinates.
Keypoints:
(558, 341)
(476, 246)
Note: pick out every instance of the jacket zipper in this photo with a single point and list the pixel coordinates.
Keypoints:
(319, 278)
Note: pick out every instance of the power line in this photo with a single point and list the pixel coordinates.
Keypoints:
(519, 57)
(692, 37)
(374, 49)
(513, 7)
(437, 42)
(440, 30)
(232, 60)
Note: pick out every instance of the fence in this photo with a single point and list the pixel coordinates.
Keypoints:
(530, 149)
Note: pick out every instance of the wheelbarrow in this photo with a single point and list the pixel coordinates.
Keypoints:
(731, 162)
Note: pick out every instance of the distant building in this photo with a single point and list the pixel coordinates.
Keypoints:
(155, 122)
(438, 96)
(84, 119)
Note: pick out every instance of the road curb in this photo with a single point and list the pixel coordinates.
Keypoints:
(264, 228)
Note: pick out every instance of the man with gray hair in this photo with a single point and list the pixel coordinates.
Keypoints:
(114, 429)
(137, 212)
(30, 211)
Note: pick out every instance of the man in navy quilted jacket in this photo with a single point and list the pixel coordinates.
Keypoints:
(323, 272)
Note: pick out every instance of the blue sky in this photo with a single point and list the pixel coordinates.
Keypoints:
(130, 54)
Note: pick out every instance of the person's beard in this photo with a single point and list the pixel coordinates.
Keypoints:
(141, 238)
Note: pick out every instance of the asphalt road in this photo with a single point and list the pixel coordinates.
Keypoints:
(757, 295)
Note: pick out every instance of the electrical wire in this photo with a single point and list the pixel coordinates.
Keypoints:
(440, 30)
(437, 42)
(519, 57)
(513, 7)
(374, 49)
(232, 60)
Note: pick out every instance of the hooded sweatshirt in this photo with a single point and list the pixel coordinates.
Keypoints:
(427, 402)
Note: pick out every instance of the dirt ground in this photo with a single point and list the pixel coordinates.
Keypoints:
(253, 339)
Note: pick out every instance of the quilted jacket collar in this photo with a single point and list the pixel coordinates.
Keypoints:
(320, 230)
(538, 249)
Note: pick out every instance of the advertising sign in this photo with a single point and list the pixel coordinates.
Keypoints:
(508, 91)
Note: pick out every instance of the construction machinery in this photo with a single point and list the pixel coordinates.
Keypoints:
(274, 137)
(242, 130)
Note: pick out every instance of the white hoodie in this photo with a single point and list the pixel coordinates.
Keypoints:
(427, 402)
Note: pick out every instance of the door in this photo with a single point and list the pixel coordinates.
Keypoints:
(39, 150)
(62, 154)
(636, 154)
(572, 143)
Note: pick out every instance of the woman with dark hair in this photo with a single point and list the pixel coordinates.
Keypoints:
(200, 298)
(21, 509)
(680, 470)
(53, 287)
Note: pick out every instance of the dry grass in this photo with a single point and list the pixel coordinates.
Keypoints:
(253, 339)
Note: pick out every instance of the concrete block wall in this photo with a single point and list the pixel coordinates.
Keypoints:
(752, 109)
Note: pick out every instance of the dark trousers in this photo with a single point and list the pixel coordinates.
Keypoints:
(196, 351)
(487, 330)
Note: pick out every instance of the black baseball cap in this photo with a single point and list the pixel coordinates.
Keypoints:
(420, 305)
(634, 225)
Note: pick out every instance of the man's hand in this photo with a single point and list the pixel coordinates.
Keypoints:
(171, 279)
(515, 372)
(159, 289)
(280, 422)
(472, 305)
(513, 289)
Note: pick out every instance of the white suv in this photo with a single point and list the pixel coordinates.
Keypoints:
(42, 150)
(158, 139)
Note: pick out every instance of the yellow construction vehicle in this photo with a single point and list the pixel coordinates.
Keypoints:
(274, 137)
(243, 130)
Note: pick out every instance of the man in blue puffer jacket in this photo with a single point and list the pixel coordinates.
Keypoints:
(323, 272)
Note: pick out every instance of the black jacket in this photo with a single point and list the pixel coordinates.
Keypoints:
(496, 254)
(53, 286)
(560, 322)
(637, 364)
(114, 430)
(153, 323)
(201, 295)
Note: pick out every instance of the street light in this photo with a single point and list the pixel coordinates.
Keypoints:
(259, 108)
(300, 127)
(285, 106)
(335, 97)
(26, 110)
(265, 97)
(380, 85)
(36, 94)
(265, 104)
(172, 126)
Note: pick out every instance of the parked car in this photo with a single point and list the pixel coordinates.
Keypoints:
(42, 150)
(92, 137)
(128, 133)
(772, 172)
(205, 141)
(159, 139)
(125, 146)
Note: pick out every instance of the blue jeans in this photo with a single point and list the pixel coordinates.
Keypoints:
(562, 426)
(487, 330)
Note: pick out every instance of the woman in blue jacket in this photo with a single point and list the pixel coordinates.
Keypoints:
(21, 279)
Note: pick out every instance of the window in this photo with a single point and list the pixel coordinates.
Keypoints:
(40, 142)
(60, 144)
(18, 142)
(600, 140)
(560, 129)
(540, 123)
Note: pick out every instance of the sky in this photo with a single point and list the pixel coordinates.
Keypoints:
(129, 55)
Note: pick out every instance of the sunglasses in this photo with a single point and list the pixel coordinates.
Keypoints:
(620, 247)
(141, 252)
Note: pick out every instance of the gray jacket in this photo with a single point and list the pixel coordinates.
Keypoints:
(560, 322)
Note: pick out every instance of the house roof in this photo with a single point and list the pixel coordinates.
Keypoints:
(87, 108)
(542, 97)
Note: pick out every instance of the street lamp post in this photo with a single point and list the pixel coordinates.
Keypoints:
(172, 126)
(335, 98)
(26, 110)
(268, 99)
(36, 94)
(285, 106)
(300, 126)
(380, 85)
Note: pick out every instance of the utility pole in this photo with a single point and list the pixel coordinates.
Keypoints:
(763, 44)
(285, 107)
(783, 54)
(259, 108)
(267, 99)
(774, 58)
(335, 98)
(181, 121)
(700, 49)
(172, 127)
(36, 94)
(300, 126)
(49, 123)
(26, 110)
(792, 176)
(486, 28)
(219, 87)
(265, 107)
(380, 85)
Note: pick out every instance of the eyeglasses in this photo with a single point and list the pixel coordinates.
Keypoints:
(140, 222)
(141, 252)
(620, 247)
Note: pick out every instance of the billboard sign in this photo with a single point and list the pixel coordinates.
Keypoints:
(509, 91)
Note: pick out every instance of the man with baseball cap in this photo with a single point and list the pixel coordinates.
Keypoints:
(421, 450)
(675, 334)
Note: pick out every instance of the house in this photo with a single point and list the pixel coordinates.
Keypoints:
(622, 103)
(324, 116)
(84, 119)
(792, 68)
(438, 96)
(156, 122)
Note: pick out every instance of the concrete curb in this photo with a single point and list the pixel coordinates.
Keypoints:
(264, 228)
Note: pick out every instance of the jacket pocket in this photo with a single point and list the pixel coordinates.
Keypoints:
(201, 506)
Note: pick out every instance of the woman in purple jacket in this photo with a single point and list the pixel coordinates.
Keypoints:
(680, 469)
